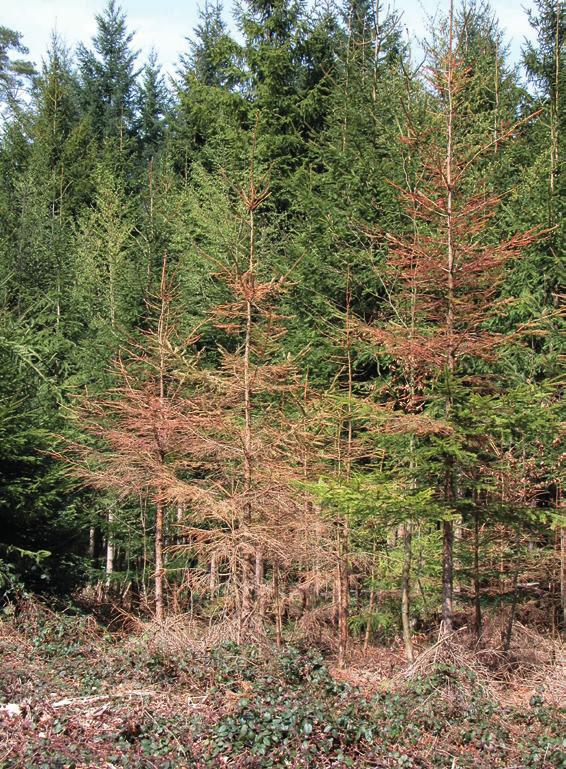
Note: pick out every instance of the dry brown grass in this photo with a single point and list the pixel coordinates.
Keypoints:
(534, 664)
(180, 635)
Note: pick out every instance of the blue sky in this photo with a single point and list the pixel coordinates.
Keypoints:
(164, 24)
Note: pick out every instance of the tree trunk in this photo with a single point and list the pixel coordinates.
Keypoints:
(563, 576)
(511, 620)
(213, 580)
(258, 581)
(247, 561)
(447, 576)
(159, 571)
(109, 552)
(93, 545)
(555, 118)
(278, 615)
(343, 593)
(370, 612)
(406, 591)
(448, 527)
(477, 593)
(179, 522)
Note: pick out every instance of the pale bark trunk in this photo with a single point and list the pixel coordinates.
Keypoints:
(179, 521)
(109, 552)
(213, 579)
(513, 611)
(91, 543)
(159, 611)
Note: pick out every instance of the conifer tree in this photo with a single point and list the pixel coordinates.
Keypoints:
(108, 76)
(109, 286)
(144, 427)
(15, 74)
(109, 282)
(213, 53)
(275, 34)
(249, 514)
(348, 163)
(450, 264)
(546, 66)
(100, 175)
(50, 191)
(152, 108)
(211, 112)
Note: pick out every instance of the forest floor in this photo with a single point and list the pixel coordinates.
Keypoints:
(76, 694)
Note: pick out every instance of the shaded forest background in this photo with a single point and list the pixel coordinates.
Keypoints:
(280, 339)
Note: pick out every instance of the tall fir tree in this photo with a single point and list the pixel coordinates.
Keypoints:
(108, 76)
(211, 112)
(153, 107)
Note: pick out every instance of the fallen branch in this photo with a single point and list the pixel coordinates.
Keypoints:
(101, 697)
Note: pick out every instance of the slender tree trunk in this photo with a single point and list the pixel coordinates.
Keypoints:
(159, 571)
(179, 522)
(511, 621)
(343, 595)
(563, 577)
(159, 509)
(370, 606)
(247, 567)
(447, 576)
(92, 543)
(344, 534)
(554, 118)
(278, 614)
(109, 551)
(213, 579)
(562, 535)
(406, 591)
(477, 587)
(112, 311)
(144, 557)
(336, 598)
(258, 581)
(448, 528)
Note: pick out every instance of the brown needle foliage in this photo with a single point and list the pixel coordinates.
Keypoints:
(449, 266)
(148, 430)
(249, 523)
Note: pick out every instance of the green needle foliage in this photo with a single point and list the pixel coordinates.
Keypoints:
(418, 436)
